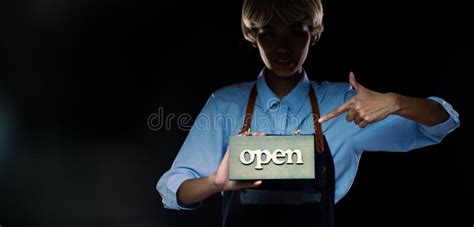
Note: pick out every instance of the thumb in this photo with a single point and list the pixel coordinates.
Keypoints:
(357, 87)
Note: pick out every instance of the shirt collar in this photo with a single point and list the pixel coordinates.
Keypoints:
(294, 100)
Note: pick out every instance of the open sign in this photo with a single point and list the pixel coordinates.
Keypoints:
(278, 157)
(271, 157)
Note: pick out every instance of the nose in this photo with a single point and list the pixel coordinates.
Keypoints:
(282, 50)
(283, 45)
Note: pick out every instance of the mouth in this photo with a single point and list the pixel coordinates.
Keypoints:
(283, 62)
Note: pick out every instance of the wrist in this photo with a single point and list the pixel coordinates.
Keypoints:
(213, 184)
(396, 101)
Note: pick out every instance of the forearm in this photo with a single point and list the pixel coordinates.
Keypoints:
(195, 190)
(423, 111)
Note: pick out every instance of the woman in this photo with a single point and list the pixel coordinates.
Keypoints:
(354, 119)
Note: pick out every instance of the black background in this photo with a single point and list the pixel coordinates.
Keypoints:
(79, 80)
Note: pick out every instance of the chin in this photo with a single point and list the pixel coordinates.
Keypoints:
(284, 73)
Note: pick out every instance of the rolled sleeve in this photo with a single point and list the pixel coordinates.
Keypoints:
(168, 187)
(439, 131)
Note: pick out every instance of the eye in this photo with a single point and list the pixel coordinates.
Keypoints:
(300, 33)
(266, 34)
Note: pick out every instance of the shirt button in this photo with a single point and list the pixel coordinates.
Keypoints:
(274, 105)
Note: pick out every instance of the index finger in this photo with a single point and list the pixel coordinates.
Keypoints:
(336, 112)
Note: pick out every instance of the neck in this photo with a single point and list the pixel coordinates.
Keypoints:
(281, 86)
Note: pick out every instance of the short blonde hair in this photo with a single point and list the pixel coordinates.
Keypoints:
(258, 13)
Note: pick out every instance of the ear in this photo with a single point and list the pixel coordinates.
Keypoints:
(314, 39)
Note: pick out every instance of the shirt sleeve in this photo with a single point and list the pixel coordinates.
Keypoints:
(396, 133)
(198, 157)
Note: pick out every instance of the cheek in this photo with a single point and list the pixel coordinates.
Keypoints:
(301, 43)
(301, 47)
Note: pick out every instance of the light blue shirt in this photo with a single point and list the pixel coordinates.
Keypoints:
(223, 116)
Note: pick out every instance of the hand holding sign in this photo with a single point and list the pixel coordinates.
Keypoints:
(366, 107)
(221, 178)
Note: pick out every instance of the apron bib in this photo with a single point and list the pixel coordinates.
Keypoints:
(286, 202)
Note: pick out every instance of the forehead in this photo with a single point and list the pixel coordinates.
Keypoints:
(277, 23)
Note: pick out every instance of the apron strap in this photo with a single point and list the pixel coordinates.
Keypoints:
(314, 107)
(249, 112)
(317, 125)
